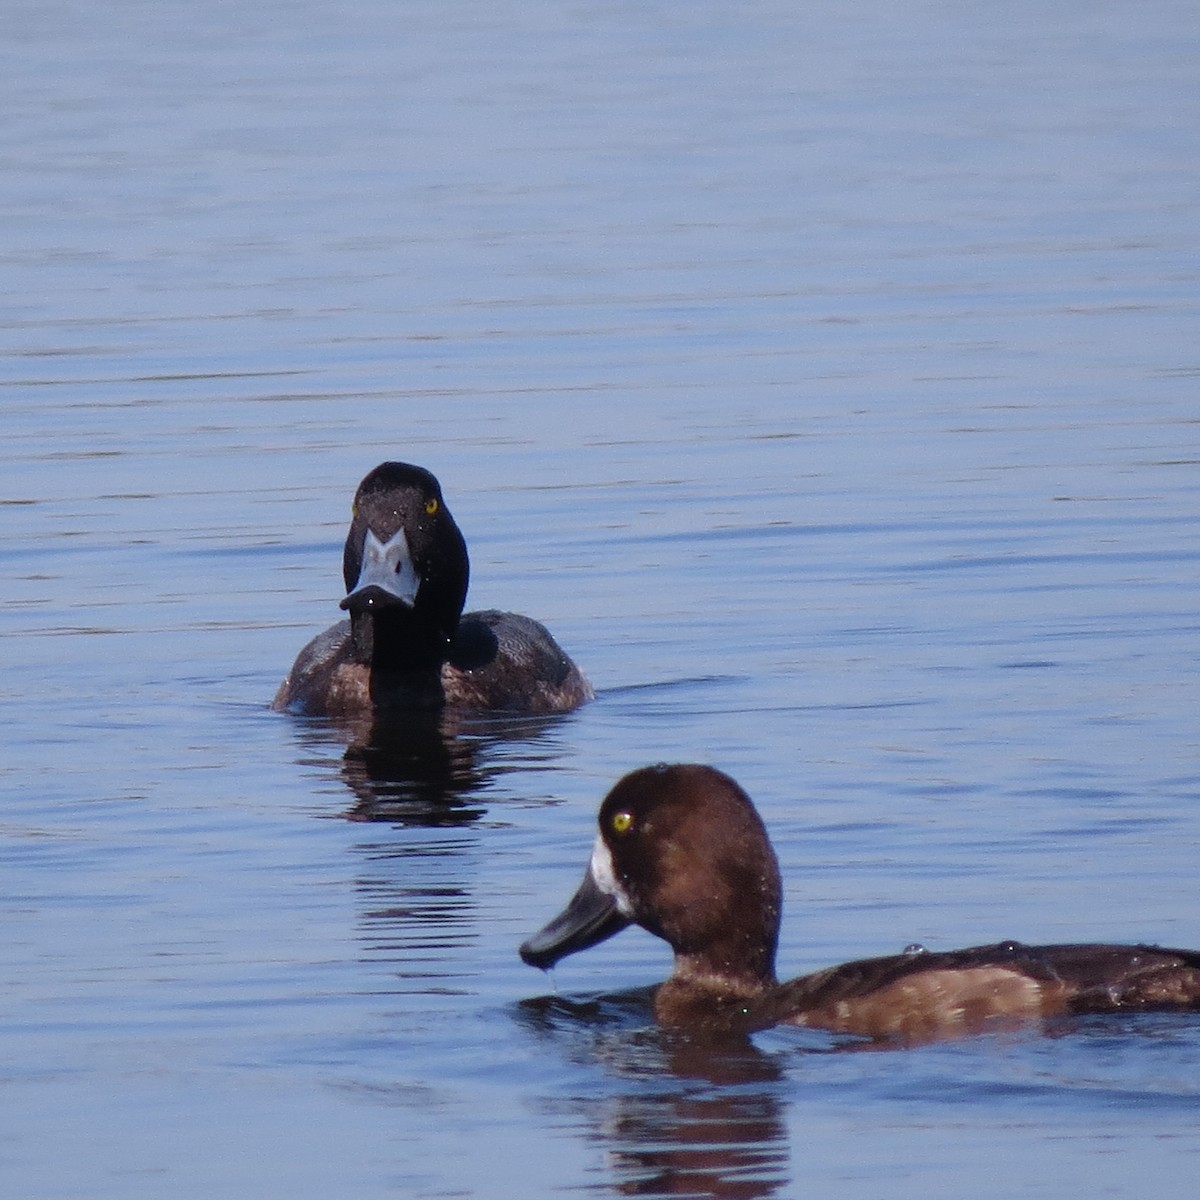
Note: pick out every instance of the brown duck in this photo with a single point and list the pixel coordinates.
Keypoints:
(682, 852)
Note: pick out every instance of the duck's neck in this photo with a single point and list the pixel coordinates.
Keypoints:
(697, 997)
(753, 975)
(405, 654)
(722, 984)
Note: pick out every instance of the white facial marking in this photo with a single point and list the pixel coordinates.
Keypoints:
(389, 565)
(605, 878)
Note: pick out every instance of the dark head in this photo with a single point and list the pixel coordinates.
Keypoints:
(682, 852)
(406, 570)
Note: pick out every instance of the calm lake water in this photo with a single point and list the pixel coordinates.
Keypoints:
(825, 376)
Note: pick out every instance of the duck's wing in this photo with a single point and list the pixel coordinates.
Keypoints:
(502, 660)
(325, 680)
(921, 996)
(1107, 978)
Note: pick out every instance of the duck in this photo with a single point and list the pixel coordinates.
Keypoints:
(407, 643)
(682, 852)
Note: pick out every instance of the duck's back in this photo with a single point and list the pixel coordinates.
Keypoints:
(325, 680)
(919, 995)
(505, 661)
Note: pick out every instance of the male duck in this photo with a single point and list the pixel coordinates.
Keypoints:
(407, 644)
(682, 852)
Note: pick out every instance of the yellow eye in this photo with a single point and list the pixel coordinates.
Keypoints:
(431, 505)
(622, 821)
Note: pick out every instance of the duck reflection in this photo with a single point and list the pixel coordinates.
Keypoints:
(411, 769)
(428, 768)
(699, 1118)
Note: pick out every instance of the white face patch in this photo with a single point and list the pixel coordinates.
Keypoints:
(389, 565)
(605, 878)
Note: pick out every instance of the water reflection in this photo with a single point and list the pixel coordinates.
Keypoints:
(417, 913)
(425, 768)
(692, 1117)
(411, 769)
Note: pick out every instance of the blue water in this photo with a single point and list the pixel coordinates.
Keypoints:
(824, 376)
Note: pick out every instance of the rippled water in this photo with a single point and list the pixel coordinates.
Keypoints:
(825, 377)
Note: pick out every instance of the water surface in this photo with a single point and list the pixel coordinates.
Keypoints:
(825, 379)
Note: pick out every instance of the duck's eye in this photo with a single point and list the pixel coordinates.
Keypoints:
(622, 821)
(431, 505)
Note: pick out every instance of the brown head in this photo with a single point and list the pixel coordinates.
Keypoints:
(682, 852)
